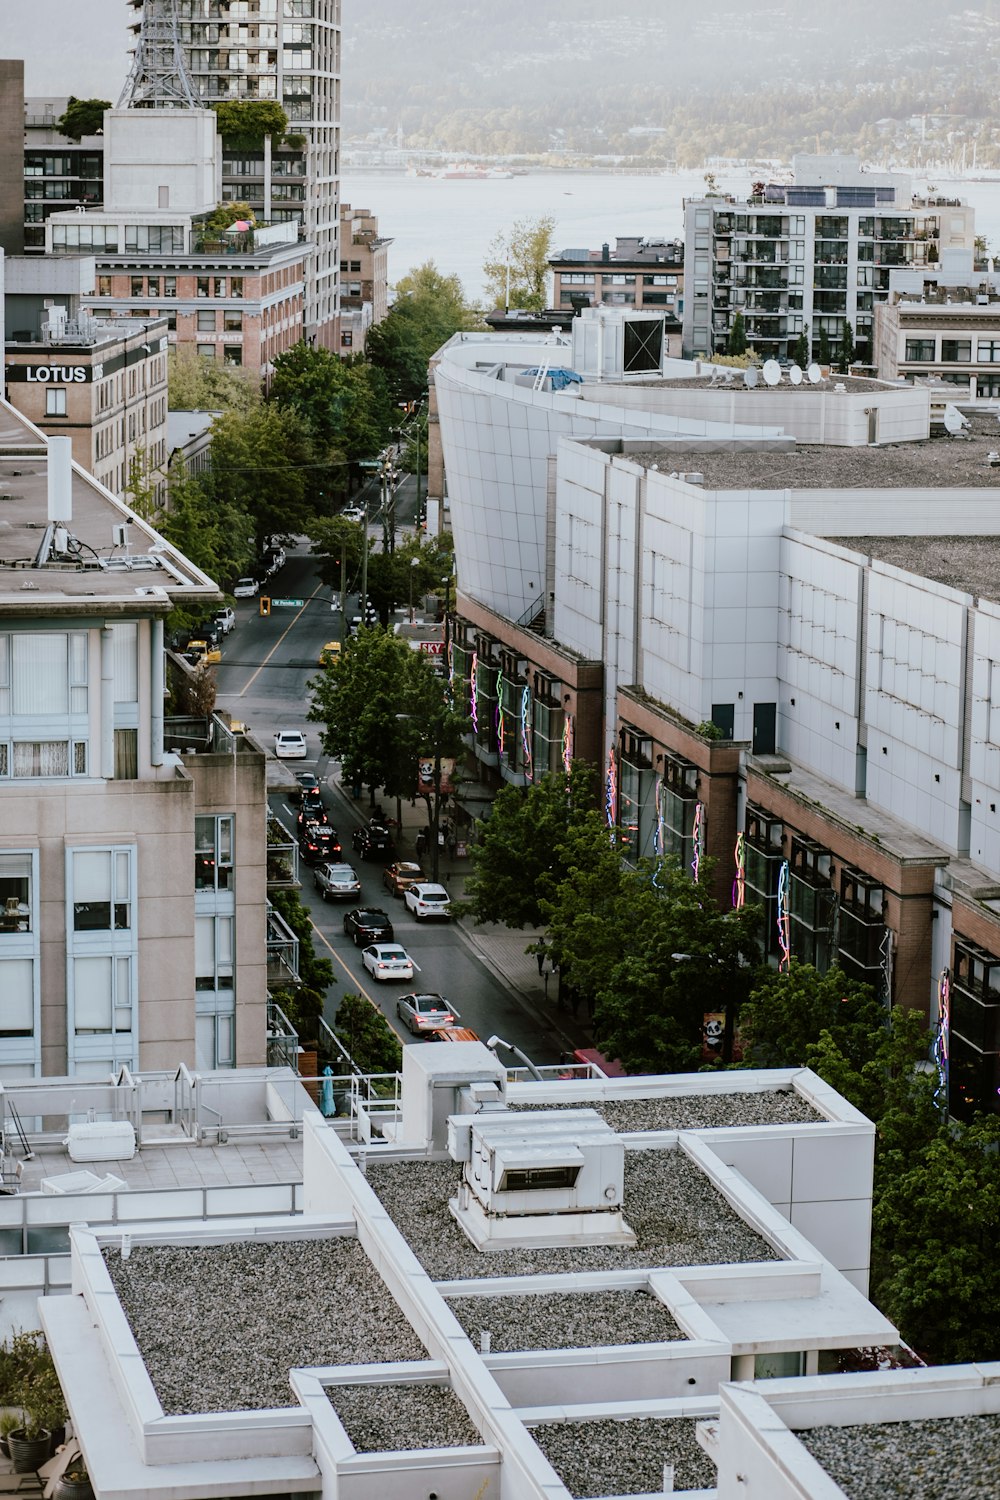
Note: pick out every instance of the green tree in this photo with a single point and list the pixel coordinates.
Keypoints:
(345, 406)
(737, 343)
(264, 463)
(517, 264)
(367, 1036)
(197, 384)
(243, 124)
(428, 309)
(787, 1010)
(303, 1005)
(515, 861)
(847, 352)
(823, 353)
(800, 354)
(82, 117)
(215, 534)
(224, 215)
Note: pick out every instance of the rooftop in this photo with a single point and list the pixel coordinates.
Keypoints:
(617, 1457)
(970, 564)
(731, 379)
(951, 1458)
(678, 1215)
(696, 1111)
(576, 1319)
(946, 463)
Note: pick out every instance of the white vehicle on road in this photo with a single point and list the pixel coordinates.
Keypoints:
(290, 744)
(246, 588)
(387, 961)
(425, 899)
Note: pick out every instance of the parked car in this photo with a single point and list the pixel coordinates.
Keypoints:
(225, 619)
(209, 631)
(317, 843)
(387, 961)
(304, 782)
(202, 651)
(396, 877)
(330, 653)
(368, 924)
(372, 839)
(425, 899)
(353, 513)
(290, 744)
(246, 588)
(424, 1013)
(337, 882)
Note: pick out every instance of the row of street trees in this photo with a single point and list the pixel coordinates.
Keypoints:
(650, 954)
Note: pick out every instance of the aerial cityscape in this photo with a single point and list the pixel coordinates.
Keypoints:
(500, 915)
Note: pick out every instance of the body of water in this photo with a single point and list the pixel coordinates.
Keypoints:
(452, 222)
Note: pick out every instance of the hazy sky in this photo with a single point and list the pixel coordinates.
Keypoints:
(69, 46)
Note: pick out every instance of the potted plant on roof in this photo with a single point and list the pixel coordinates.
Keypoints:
(41, 1399)
(74, 1481)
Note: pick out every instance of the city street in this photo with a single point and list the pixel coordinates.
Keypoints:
(263, 681)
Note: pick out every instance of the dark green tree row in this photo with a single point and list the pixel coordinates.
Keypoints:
(647, 950)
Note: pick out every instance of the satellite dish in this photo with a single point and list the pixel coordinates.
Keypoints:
(795, 375)
(771, 372)
(750, 377)
(814, 374)
(953, 420)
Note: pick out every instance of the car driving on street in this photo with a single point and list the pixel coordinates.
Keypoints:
(337, 882)
(368, 924)
(398, 876)
(246, 588)
(425, 899)
(290, 744)
(425, 1013)
(387, 961)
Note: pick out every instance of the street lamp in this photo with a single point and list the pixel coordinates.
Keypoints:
(494, 1042)
(414, 563)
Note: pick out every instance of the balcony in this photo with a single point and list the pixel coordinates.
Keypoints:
(282, 858)
(282, 952)
(282, 1039)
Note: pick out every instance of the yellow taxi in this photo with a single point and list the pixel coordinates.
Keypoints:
(329, 654)
(203, 651)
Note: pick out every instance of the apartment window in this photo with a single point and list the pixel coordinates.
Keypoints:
(204, 286)
(232, 355)
(55, 402)
(861, 934)
(206, 351)
(988, 351)
(236, 286)
(102, 890)
(232, 322)
(213, 853)
(811, 904)
(762, 862)
(152, 286)
(218, 286)
(75, 238)
(165, 238)
(102, 994)
(135, 286)
(36, 758)
(956, 351)
(214, 951)
(170, 286)
(17, 985)
(43, 673)
(922, 349)
(16, 914)
(104, 286)
(126, 754)
(206, 322)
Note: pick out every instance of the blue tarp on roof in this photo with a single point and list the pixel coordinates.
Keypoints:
(560, 378)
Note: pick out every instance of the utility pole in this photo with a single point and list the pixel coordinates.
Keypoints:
(343, 583)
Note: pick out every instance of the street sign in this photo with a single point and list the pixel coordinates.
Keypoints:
(287, 603)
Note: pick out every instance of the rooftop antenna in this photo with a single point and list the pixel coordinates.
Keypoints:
(750, 377)
(771, 372)
(158, 77)
(795, 375)
(814, 374)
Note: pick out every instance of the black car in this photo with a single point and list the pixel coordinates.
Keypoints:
(372, 840)
(318, 844)
(208, 630)
(312, 804)
(368, 924)
(305, 782)
(313, 811)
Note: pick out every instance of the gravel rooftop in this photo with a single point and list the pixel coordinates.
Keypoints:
(947, 1458)
(386, 1418)
(240, 1316)
(676, 1213)
(625, 1458)
(570, 1320)
(968, 563)
(696, 1111)
(936, 463)
(855, 384)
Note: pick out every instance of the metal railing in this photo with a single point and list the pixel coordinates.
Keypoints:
(282, 951)
(282, 1039)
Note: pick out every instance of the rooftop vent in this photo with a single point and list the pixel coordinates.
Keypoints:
(541, 1178)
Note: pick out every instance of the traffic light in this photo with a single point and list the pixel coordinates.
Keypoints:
(264, 604)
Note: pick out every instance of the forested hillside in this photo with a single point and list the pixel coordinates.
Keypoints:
(676, 79)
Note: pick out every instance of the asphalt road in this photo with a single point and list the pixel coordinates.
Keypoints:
(263, 680)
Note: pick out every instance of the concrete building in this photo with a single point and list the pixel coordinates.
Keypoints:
(132, 847)
(496, 1366)
(637, 273)
(289, 53)
(364, 277)
(949, 333)
(101, 383)
(809, 256)
(738, 602)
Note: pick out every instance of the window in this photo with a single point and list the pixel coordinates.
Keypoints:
(104, 286)
(126, 754)
(988, 351)
(811, 904)
(862, 929)
(102, 993)
(232, 355)
(218, 286)
(170, 286)
(15, 895)
(82, 237)
(102, 895)
(956, 351)
(232, 322)
(152, 286)
(236, 286)
(55, 402)
(213, 953)
(206, 322)
(355, 265)
(166, 238)
(206, 351)
(17, 1014)
(213, 853)
(203, 286)
(41, 758)
(135, 286)
(346, 339)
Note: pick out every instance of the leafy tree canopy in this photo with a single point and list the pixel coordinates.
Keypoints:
(367, 1036)
(786, 1012)
(428, 309)
(346, 406)
(196, 384)
(516, 859)
(304, 1004)
(214, 533)
(224, 215)
(82, 117)
(262, 463)
(245, 122)
(737, 336)
(517, 264)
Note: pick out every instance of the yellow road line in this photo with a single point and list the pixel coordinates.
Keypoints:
(293, 621)
(355, 982)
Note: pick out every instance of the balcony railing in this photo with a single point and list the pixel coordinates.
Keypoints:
(282, 1039)
(282, 858)
(282, 952)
